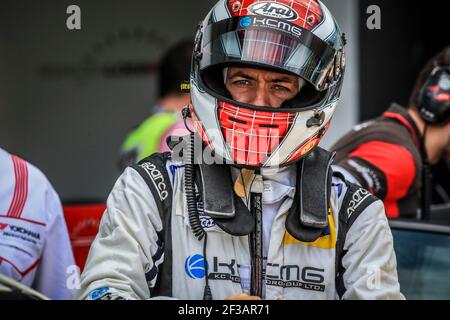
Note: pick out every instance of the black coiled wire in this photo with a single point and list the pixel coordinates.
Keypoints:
(189, 187)
(191, 201)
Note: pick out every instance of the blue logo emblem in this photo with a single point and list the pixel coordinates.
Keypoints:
(98, 293)
(245, 22)
(195, 267)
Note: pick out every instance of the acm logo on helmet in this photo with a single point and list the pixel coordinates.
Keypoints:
(195, 266)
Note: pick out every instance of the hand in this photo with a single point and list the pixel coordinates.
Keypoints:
(242, 296)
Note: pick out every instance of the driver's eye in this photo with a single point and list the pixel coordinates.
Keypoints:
(242, 82)
(281, 88)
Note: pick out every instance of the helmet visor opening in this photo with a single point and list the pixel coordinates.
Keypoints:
(302, 53)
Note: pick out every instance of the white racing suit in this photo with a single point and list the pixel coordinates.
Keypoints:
(35, 247)
(130, 252)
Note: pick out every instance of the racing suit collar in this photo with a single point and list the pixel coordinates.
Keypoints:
(278, 183)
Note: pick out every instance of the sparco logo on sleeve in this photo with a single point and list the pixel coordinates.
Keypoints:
(358, 197)
(274, 10)
(157, 179)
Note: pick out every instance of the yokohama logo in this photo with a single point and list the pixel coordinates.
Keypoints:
(24, 231)
(3, 226)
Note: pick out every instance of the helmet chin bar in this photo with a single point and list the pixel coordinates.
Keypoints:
(232, 144)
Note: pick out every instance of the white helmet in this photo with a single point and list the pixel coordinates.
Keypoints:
(298, 37)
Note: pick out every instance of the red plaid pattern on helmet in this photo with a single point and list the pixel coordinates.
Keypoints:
(252, 135)
(309, 13)
(268, 47)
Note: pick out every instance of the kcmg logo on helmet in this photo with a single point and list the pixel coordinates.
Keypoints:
(195, 266)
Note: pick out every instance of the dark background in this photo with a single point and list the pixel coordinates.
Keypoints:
(391, 58)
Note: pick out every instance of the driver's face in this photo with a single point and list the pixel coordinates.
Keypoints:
(260, 87)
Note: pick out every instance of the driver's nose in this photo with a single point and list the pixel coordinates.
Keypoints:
(261, 98)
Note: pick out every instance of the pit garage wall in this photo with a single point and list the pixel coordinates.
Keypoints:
(64, 108)
(392, 57)
(347, 114)
(7, 114)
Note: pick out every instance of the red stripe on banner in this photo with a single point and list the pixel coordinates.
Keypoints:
(17, 187)
(12, 265)
(24, 185)
(27, 220)
(20, 188)
(22, 273)
(14, 199)
(34, 265)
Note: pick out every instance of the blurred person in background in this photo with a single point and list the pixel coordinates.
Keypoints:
(34, 243)
(151, 135)
(395, 155)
